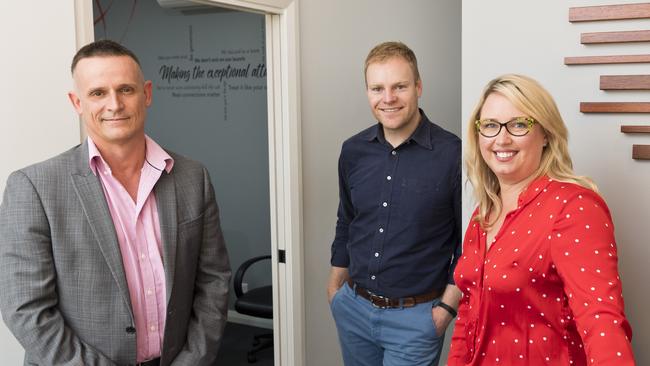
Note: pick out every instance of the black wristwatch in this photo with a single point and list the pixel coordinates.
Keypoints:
(449, 309)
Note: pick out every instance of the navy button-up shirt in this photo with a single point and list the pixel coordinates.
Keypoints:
(399, 218)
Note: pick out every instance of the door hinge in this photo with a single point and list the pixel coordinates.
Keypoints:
(281, 256)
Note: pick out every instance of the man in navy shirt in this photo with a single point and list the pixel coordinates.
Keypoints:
(398, 233)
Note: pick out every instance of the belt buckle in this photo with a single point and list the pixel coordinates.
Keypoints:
(376, 301)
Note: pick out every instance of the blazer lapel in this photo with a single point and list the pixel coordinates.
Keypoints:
(95, 209)
(165, 191)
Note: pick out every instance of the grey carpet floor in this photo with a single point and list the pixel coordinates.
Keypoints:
(237, 341)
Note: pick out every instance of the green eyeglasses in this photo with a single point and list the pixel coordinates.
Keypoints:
(518, 126)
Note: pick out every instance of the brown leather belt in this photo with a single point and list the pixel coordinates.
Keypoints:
(383, 302)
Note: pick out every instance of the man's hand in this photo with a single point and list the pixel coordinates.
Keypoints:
(338, 276)
(441, 319)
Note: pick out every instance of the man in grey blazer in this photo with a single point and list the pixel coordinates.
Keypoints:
(112, 253)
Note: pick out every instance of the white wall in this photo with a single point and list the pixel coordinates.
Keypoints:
(336, 36)
(533, 37)
(38, 41)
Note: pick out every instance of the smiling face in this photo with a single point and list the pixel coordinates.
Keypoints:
(513, 159)
(111, 97)
(393, 95)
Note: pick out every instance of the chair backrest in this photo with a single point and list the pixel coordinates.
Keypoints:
(239, 275)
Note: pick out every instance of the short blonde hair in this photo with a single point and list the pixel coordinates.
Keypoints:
(532, 99)
(388, 50)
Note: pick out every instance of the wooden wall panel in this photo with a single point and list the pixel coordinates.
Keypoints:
(616, 82)
(625, 82)
(615, 37)
(635, 129)
(609, 12)
(641, 152)
(614, 107)
(618, 59)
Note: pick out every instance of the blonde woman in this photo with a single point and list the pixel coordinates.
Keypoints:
(539, 268)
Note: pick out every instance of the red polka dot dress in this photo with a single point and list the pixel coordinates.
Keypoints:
(547, 292)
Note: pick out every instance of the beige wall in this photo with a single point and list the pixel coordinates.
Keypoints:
(533, 37)
(37, 120)
(336, 36)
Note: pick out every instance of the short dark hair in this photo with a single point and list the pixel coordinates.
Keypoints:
(387, 50)
(103, 47)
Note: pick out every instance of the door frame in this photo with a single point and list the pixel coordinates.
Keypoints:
(285, 163)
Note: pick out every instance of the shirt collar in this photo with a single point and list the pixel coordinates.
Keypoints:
(156, 156)
(421, 135)
(534, 189)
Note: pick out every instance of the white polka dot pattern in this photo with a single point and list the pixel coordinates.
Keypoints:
(551, 293)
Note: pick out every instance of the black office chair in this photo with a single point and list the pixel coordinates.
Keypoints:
(256, 302)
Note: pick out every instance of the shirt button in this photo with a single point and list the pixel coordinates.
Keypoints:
(149, 292)
(143, 256)
(376, 254)
(385, 204)
(152, 328)
(372, 277)
(394, 152)
(381, 229)
(389, 177)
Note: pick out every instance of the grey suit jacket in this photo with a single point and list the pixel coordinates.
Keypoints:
(63, 290)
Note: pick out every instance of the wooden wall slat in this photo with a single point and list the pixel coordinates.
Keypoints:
(625, 82)
(635, 129)
(641, 152)
(617, 59)
(609, 12)
(614, 107)
(615, 37)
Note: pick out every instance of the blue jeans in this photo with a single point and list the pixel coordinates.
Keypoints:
(370, 336)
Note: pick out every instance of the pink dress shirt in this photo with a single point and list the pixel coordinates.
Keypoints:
(138, 232)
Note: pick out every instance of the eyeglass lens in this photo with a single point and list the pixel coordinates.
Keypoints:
(516, 127)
